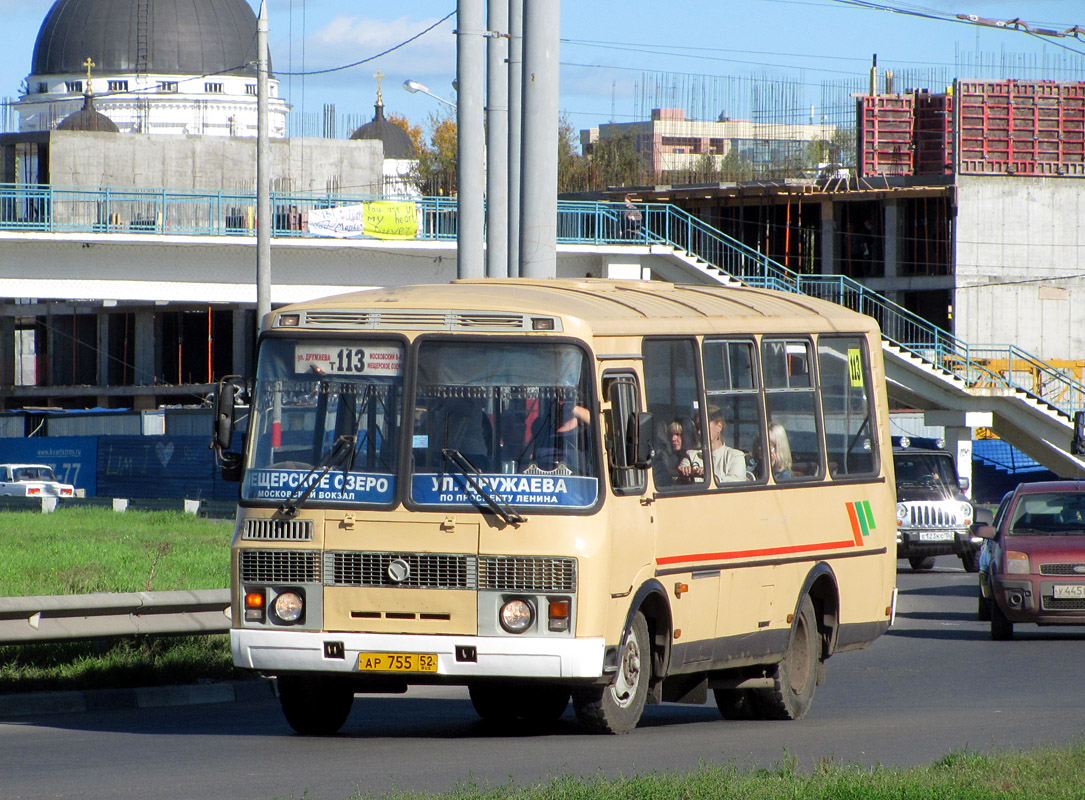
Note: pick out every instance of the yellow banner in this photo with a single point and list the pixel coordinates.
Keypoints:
(388, 219)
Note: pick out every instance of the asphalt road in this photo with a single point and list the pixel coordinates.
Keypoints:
(936, 683)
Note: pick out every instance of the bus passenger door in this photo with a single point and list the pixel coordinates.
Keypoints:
(631, 513)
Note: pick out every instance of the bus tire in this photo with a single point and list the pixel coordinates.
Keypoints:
(735, 703)
(315, 705)
(542, 704)
(795, 677)
(616, 708)
(492, 702)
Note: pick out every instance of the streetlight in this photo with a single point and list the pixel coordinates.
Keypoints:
(414, 87)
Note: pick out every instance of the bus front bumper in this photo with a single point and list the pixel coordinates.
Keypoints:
(458, 657)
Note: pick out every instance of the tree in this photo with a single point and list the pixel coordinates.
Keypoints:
(573, 172)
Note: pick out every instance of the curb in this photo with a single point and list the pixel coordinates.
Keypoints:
(76, 702)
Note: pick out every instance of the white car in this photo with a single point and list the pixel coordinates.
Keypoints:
(32, 480)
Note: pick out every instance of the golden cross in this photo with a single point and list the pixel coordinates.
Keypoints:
(378, 75)
(88, 64)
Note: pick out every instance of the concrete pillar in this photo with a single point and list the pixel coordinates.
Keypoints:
(102, 321)
(7, 351)
(144, 359)
(828, 239)
(241, 357)
(960, 427)
(470, 151)
(892, 238)
(497, 141)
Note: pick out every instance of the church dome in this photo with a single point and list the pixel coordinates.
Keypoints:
(87, 119)
(181, 37)
(397, 144)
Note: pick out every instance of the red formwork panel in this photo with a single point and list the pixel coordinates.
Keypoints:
(933, 134)
(1013, 127)
(885, 134)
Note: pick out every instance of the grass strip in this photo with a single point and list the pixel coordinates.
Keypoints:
(83, 550)
(1043, 774)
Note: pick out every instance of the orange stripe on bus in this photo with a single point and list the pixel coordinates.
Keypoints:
(768, 551)
(856, 530)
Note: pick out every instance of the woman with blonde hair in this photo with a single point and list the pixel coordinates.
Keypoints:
(779, 452)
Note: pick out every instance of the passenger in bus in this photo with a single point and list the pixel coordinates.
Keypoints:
(671, 452)
(779, 452)
(728, 463)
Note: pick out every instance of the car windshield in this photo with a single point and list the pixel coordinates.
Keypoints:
(514, 415)
(925, 468)
(1054, 514)
(328, 412)
(33, 474)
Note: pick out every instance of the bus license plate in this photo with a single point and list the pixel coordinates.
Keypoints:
(1069, 591)
(397, 662)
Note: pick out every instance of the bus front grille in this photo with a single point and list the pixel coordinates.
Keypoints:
(450, 571)
(278, 530)
(408, 570)
(279, 566)
(527, 574)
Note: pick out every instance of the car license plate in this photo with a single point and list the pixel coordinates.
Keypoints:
(1069, 591)
(936, 536)
(397, 662)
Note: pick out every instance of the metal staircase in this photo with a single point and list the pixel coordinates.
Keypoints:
(1032, 402)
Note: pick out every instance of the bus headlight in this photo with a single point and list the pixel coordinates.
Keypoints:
(516, 616)
(288, 607)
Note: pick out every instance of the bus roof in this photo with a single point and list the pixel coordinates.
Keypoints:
(610, 307)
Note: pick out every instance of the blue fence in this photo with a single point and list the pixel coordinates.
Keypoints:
(179, 467)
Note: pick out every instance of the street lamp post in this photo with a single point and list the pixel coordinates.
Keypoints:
(414, 87)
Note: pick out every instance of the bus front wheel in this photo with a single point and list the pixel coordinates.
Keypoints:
(617, 708)
(794, 678)
(315, 705)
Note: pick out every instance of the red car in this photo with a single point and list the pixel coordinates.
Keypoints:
(1036, 566)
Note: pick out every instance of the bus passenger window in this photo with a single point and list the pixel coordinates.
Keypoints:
(846, 406)
(670, 383)
(791, 404)
(731, 386)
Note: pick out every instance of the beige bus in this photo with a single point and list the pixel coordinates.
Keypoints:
(614, 493)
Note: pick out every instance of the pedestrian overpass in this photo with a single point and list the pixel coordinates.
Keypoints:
(163, 247)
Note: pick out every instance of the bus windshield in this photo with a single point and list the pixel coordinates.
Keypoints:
(510, 418)
(326, 417)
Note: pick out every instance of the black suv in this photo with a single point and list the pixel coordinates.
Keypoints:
(934, 516)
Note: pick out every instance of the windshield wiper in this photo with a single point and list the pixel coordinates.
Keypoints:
(338, 452)
(472, 475)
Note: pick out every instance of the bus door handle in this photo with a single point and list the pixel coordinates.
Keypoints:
(647, 501)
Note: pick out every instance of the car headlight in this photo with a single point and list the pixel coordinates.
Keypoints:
(1016, 563)
(288, 606)
(902, 513)
(966, 513)
(516, 616)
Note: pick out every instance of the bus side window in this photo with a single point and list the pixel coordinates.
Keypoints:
(626, 476)
(731, 385)
(791, 402)
(850, 436)
(676, 404)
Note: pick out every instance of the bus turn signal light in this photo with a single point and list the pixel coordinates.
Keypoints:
(559, 615)
(254, 606)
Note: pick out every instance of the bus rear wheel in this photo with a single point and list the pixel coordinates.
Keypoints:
(794, 678)
(315, 705)
(616, 708)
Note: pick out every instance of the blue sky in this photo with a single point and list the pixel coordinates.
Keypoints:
(608, 47)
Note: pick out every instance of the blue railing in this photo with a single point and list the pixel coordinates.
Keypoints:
(167, 211)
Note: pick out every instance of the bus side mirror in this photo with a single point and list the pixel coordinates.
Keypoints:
(639, 439)
(224, 414)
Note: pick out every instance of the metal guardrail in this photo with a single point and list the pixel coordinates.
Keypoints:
(158, 210)
(58, 618)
